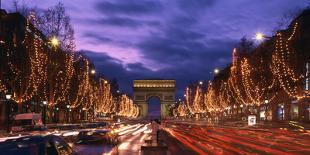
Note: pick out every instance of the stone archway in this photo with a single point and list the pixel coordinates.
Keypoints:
(154, 107)
(145, 89)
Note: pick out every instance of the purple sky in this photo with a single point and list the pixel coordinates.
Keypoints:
(175, 39)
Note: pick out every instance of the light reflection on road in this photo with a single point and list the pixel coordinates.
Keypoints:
(227, 140)
(133, 138)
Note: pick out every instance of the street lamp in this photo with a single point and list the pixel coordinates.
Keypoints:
(260, 36)
(201, 82)
(54, 41)
(44, 112)
(216, 71)
(93, 71)
(8, 97)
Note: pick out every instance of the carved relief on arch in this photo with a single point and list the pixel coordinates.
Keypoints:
(139, 97)
(169, 98)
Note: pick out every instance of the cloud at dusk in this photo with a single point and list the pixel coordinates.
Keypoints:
(169, 39)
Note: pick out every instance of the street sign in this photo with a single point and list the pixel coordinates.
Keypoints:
(251, 120)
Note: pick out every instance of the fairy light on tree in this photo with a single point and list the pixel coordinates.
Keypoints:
(284, 66)
(38, 60)
(256, 81)
(234, 84)
(127, 108)
(198, 103)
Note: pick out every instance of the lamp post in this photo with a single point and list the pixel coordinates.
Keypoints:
(8, 97)
(235, 111)
(282, 112)
(84, 114)
(68, 107)
(94, 113)
(241, 106)
(44, 112)
(70, 115)
(266, 108)
(57, 115)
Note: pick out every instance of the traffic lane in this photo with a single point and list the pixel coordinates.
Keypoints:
(206, 139)
(132, 141)
(174, 145)
(131, 138)
(240, 135)
(95, 142)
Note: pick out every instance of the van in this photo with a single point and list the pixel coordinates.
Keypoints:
(26, 121)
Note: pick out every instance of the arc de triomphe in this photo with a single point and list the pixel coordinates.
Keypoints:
(145, 89)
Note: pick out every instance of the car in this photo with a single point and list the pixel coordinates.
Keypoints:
(96, 142)
(36, 145)
(97, 136)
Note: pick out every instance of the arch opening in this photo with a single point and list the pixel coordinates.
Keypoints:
(154, 107)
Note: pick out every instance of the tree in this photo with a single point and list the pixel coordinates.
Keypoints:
(114, 87)
(245, 46)
(287, 18)
(53, 22)
(22, 8)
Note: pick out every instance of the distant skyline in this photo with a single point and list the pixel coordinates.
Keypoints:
(175, 39)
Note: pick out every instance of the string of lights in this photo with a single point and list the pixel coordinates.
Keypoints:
(59, 77)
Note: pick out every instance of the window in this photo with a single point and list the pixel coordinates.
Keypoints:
(50, 149)
(22, 122)
(62, 147)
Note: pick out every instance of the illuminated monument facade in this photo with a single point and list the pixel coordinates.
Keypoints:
(146, 89)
